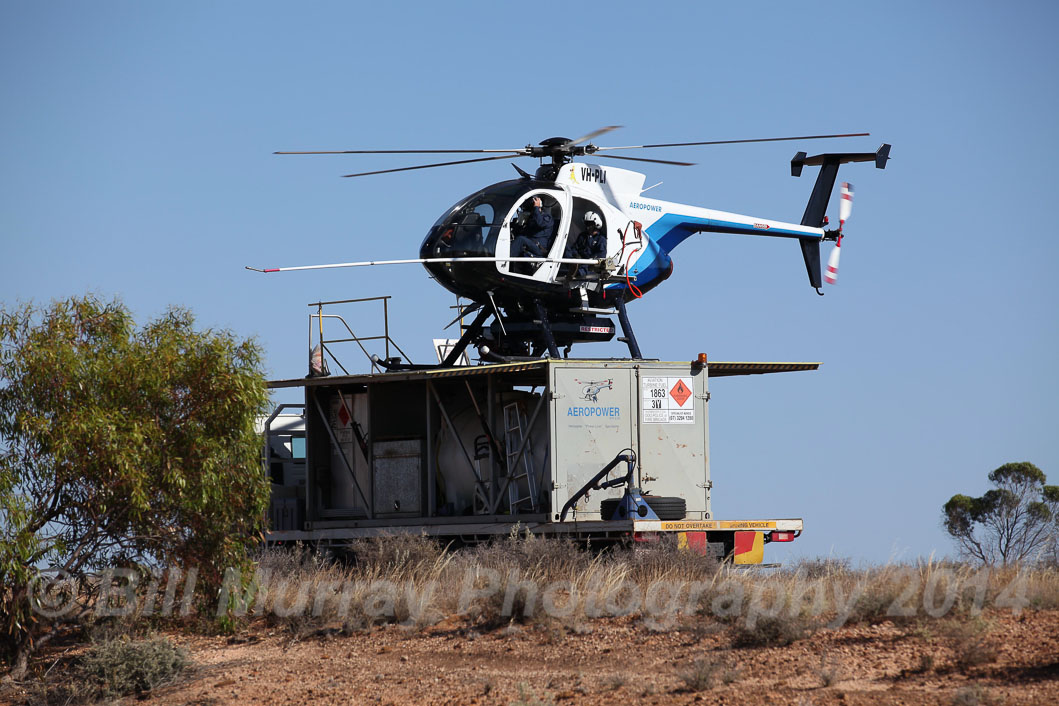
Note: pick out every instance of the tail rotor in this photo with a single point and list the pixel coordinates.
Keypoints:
(845, 206)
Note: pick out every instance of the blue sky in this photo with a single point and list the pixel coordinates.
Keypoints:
(137, 141)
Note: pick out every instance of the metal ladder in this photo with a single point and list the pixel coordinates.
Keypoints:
(513, 436)
(482, 487)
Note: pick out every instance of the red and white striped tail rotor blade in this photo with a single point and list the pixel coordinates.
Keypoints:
(831, 275)
(845, 204)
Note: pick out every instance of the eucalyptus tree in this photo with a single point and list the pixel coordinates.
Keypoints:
(120, 446)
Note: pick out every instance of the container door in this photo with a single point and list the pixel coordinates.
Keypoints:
(593, 421)
(674, 436)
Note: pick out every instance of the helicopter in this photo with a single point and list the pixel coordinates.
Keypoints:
(551, 256)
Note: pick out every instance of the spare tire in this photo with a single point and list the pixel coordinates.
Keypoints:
(667, 508)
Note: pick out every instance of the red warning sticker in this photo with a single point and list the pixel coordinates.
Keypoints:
(680, 393)
(340, 418)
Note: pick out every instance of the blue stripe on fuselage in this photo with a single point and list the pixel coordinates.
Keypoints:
(672, 229)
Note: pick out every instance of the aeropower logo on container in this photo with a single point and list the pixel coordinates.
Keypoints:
(591, 391)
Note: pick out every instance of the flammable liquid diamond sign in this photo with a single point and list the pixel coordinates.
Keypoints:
(680, 392)
(339, 418)
(667, 400)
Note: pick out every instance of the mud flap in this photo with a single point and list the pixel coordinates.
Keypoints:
(749, 548)
(692, 542)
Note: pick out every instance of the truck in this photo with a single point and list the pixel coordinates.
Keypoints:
(596, 450)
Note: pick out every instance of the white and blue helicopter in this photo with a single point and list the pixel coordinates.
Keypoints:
(598, 242)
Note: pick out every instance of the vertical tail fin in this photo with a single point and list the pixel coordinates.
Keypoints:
(811, 255)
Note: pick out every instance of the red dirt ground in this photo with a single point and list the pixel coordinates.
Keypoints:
(620, 661)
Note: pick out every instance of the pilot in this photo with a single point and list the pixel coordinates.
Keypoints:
(535, 226)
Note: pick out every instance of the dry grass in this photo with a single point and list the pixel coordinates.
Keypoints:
(559, 588)
(416, 582)
(522, 585)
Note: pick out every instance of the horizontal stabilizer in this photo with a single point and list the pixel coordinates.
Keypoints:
(825, 181)
(800, 160)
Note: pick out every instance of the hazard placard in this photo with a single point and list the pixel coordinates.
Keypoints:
(667, 400)
(340, 418)
(680, 392)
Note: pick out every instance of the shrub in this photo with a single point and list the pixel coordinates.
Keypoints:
(700, 675)
(663, 560)
(771, 631)
(830, 671)
(527, 697)
(972, 695)
(822, 568)
(118, 667)
(120, 446)
(881, 599)
(399, 554)
(970, 643)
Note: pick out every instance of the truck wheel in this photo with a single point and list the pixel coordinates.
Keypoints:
(667, 508)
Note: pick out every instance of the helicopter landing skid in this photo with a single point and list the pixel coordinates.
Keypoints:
(546, 329)
(528, 336)
(626, 328)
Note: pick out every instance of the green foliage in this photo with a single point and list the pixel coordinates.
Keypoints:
(1015, 521)
(117, 668)
(122, 446)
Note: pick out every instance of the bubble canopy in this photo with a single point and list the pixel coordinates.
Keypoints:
(472, 226)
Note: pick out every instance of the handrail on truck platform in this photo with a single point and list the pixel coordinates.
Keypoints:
(319, 317)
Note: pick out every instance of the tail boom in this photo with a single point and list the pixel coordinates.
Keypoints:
(680, 222)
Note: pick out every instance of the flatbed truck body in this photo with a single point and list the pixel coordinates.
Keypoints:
(467, 453)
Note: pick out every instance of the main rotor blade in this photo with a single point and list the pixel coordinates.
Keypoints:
(597, 133)
(521, 150)
(424, 260)
(437, 164)
(644, 159)
(735, 142)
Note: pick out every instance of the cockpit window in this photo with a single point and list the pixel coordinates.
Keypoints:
(470, 228)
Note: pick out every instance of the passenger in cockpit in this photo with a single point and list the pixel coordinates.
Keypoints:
(591, 244)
